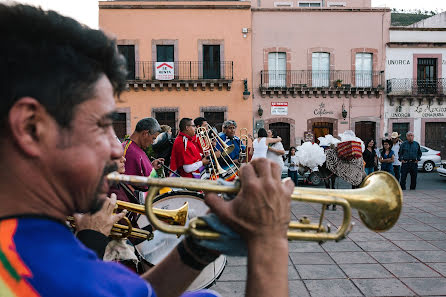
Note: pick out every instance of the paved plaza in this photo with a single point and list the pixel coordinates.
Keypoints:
(408, 260)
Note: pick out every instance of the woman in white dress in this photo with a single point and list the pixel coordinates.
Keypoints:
(275, 150)
(260, 144)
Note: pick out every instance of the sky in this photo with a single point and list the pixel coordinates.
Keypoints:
(86, 11)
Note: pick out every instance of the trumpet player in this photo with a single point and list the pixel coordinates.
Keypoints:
(186, 158)
(58, 144)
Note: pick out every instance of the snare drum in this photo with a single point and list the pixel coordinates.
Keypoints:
(162, 244)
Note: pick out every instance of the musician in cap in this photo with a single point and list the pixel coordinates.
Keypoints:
(59, 80)
(228, 135)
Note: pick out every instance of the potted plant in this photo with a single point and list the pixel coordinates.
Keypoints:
(338, 83)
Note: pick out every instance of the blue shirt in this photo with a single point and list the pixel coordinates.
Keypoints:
(235, 154)
(387, 166)
(409, 151)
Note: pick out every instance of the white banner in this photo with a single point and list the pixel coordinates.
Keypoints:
(279, 108)
(164, 71)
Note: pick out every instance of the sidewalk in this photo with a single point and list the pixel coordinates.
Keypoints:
(408, 260)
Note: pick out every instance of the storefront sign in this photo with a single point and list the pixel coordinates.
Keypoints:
(321, 111)
(279, 108)
(422, 111)
(164, 71)
(398, 62)
(400, 115)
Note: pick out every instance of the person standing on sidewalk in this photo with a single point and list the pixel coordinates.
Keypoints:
(409, 155)
(395, 137)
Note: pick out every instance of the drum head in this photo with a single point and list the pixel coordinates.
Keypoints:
(155, 250)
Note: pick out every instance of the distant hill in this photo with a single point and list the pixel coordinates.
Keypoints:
(405, 19)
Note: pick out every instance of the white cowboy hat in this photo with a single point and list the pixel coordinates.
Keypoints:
(395, 135)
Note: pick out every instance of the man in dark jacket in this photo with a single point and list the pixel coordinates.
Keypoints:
(409, 155)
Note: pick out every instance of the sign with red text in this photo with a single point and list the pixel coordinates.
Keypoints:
(164, 71)
(279, 108)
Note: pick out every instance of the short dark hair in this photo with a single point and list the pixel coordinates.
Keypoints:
(368, 141)
(262, 133)
(149, 124)
(183, 123)
(53, 59)
(199, 121)
(274, 133)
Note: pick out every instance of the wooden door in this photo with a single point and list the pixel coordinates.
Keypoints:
(283, 130)
(320, 129)
(435, 137)
(365, 130)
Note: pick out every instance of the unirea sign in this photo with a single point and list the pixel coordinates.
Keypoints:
(279, 108)
(164, 71)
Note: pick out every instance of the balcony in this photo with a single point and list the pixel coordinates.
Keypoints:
(321, 83)
(189, 74)
(408, 88)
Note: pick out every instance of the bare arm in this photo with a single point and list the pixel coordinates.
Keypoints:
(270, 140)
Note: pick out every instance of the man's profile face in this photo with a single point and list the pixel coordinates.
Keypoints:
(230, 131)
(190, 129)
(79, 157)
(205, 124)
(148, 139)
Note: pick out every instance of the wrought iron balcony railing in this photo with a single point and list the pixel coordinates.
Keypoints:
(283, 79)
(415, 87)
(183, 71)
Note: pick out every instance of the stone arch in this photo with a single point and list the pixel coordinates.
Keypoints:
(290, 121)
(334, 121)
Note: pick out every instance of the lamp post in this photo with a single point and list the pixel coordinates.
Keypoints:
(260, 111)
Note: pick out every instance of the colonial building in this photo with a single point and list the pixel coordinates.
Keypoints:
(185, 59)
(318, 67)
(416, 82)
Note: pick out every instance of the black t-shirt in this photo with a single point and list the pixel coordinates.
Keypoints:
(369, 158)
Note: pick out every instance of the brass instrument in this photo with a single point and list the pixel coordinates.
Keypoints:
(244, 141)
(171, 217)
(208, 149)
(378, 201)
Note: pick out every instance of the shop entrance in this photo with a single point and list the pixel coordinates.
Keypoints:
(320, 129)
(435, 137)
(283, 130)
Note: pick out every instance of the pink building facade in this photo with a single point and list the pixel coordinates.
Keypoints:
(318, 68)
(185, 59)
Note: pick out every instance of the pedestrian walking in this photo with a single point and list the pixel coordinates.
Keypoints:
(409, 155)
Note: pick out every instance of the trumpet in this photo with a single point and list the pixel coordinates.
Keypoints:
(244, 141)
(172, 217)
(208, 149)
(378, 201)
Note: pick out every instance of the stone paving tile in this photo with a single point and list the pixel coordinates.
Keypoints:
(365, 236)
(410, 270)
(319, 271)
(383, 287)
(236, 261)
(292, 272)
(440, 214)
(426, 286)
(440, 244)
(351, 257)
(297, 288)
(342, 246)
(413, 245)
(378, 246)
(393, 257)
(439, 226)
(230, 289)
(431, 235)
(234, 273)
(301, 246)
(310, 258)
(418, 227)
(399, 236)
(429, 256)
(439, 267)
(365, 271)
(332, 288)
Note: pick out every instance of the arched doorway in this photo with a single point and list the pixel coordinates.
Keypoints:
(283, 130)
(320, 129)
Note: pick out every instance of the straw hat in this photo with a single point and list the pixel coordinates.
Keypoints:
(395, 135)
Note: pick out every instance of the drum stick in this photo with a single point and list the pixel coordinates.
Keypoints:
(165, 167)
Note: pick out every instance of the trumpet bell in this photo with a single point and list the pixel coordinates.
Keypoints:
(228, 149)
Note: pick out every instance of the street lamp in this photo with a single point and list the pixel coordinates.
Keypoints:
(344, 112)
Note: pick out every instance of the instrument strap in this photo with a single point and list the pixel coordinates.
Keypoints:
(127, 146)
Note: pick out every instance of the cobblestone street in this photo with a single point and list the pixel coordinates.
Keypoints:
(408, 260)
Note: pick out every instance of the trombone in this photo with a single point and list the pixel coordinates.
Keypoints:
(244, 141)
(378, 201)
(172, 217)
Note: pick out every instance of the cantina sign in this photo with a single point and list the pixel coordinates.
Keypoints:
(321, 111)
(423, 112)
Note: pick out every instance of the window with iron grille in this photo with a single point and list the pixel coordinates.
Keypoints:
(427, 75)
(310, 4)
(120, 124)
(128, 51)
(215, 119)
(401, 128)
(167, 118)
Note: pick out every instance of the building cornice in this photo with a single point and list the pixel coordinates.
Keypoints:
(174, 5)
(416, 44)
(323, 9)
(415, 29)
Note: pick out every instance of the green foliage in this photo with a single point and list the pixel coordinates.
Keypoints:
(405, 19)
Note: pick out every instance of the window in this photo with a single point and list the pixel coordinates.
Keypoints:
(215, 119)
(427, 75)
(363, 66)
(120, 125)
(128, 51)
(283, 4)
(277, 69)
(320, 70)
(309, 4)
(165, 53)
(337, 4)
(167, 118)
(401, 128)
(211, 61)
